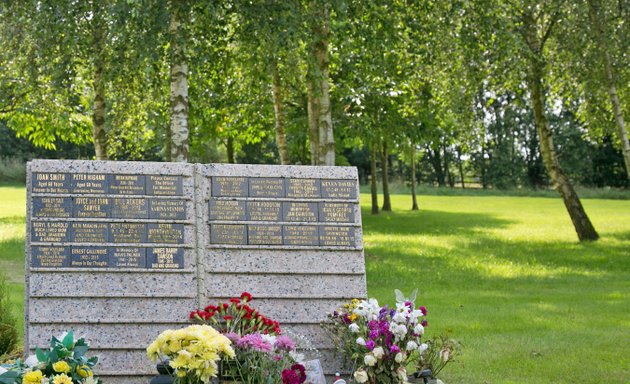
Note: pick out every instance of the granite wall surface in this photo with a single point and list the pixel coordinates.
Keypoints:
(120, 251)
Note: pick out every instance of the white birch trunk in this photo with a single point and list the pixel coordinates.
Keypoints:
(179, 90)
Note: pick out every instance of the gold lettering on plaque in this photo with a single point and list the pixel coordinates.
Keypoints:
(89, 257)
(91, 206)
(302, 188)
(340, 236)
(53, 257)
(165, 258)
(50, 183)
(52, 207)
(90, 232)
(53, 231)
(165, 233)
(127, 232)
(339, 189)
(265, 234)
(227, 210)
(264, 210)
(301, 212)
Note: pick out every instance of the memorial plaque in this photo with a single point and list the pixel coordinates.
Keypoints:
(127, 233)
(91, 207)
(229, 186)
(50, 256)
(266, 187)
(336, 212)
(165, 233)
(128, 257)
(52, 207)
(304, 188)
(44, 182)
(83, 232)
(167, 209)
(126, 184)
(165, 258)
(129, 208)
(50, 231)
(339, 189)
(330, 236)
(229, 210)
(301, 235)
(161, 185)
(89, 257)
(228, 234)
(293, 211)
(89, 183)
(264, 210)
(262, 234)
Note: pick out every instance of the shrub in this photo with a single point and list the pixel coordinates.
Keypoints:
(8, 331)
(12, 170)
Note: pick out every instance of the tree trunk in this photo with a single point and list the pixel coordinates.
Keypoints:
(373, 186)
(313, 133)
(319, 92)
(278, 109)
(179, 86)
(610, 77)
(98, 117)
(414, 200)
(387, 204)
(581, 222)
(460, 166)
(436, 161)
(229, 146)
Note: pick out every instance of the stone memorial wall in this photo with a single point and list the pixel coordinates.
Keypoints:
(120, 251)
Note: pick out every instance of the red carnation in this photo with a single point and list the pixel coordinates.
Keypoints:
(246, 296)
(234, 300)
(228, 318)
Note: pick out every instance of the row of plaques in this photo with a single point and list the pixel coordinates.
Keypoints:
(279, 187)
(271, 234)
(100, 183)
(291, 211)
(107, 257)
(89, 232)
(109, 207)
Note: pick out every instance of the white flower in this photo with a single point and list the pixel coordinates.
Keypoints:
(419, 329)
(399, 331)
(361, 341)
(297, 357)
(89, 380)
(399, 357)
(423, 347)
(184, 353)
(354, 328)
(369, 360)
(401, 372)
(2, 370)
(270, 339)
(31, 361)
(378, 352)
(360, 376)
(414, 315)
(412, 345)
(402, 308)
(399, 317)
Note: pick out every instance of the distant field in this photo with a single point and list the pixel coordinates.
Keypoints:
(504, 275)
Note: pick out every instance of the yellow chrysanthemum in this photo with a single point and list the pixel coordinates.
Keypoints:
(84, 371)
(34, 377)
(61, 367)
(62, 379)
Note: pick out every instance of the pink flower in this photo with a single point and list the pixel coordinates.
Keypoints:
(255, 342)
(284, 343)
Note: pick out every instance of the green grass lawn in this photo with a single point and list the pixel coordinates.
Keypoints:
(508, 279)
(504, 275)
(12, 236)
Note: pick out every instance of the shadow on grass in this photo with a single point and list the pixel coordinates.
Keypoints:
(13, 220)
(427, 222)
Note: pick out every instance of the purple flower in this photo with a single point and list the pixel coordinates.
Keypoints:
(424, 323)
(373, 324)
(284, 343)
(409, 304)
(234, 337)
(374, 334)
(370, 344)
(346, 318)
(255, 342)
(384, 327)
(394, 349)
(423, 309)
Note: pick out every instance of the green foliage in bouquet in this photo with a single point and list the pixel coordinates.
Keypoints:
(65, 362)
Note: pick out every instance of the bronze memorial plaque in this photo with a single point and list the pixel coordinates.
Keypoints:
(91, 207)
(50, 256)
(337, 236)
(304, 188)
(266, 187)
(129, 208)
(264, 210)
(44, 182)
(228, 210)
(264, 234)
(294, 211)
(128, 257)
(89, 257)
(230, 186)
(52, 207)
(126, 184)
(300, 235)
(165, 233)
(86, 232)
(89, 183)
(339, 189)
(50, 231)
(128, 233)
(163, 185)
(228, 234)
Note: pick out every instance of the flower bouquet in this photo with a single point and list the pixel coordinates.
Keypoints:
(263, 355)
(65, 362)
(379, 341)
(193, 352)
